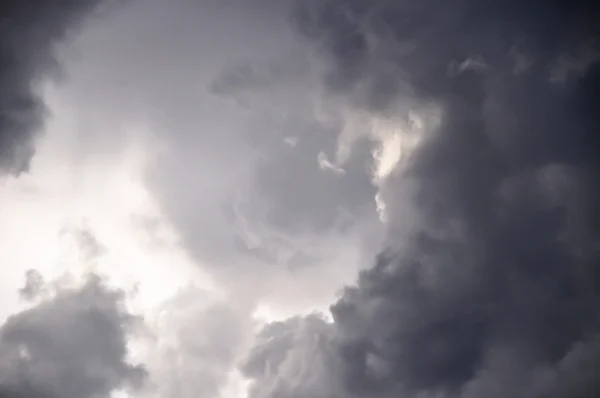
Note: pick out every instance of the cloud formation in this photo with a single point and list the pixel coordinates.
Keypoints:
(198, 344)
(29, 30)
(472, 123)
(490, 282)
(72, 345)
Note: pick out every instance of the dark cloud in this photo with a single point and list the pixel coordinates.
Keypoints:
(73, 345)
(491, 286)
(28, 32)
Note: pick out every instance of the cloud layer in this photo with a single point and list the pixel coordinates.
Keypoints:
(490, 283)
(270, 141)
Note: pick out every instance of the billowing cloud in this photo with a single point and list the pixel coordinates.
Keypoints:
(489, 285)
(73, 344)
(295, 358)
(29, 30)
(278, 154)
(198, 343)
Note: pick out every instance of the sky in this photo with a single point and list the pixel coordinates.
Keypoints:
(299, 199)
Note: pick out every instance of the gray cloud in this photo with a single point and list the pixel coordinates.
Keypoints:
(198, 347)
(491, 286)
(29, 31)
(72, 345)
(489, 282)
(295, 358)
(167, 68)
(221, 123)
(34, 285)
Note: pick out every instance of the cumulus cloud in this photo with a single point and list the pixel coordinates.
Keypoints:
(470, 126)
(489, 284)
(294, 359)
(29, 30)
(72, 344)
(196, 342)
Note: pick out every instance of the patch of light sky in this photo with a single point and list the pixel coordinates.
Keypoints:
(61, 196)
(65, 204)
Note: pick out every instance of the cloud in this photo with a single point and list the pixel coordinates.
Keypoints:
(247, 207)
(489, 283)
(28, 33)
(34, 285)
(198, 344)
(73, 344)
(295, 358)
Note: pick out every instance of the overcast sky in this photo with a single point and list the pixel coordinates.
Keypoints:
(299, 199)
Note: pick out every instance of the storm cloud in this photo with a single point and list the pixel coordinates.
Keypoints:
(490, 281)
(73, 344)
(273, 147)
(29, 31)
